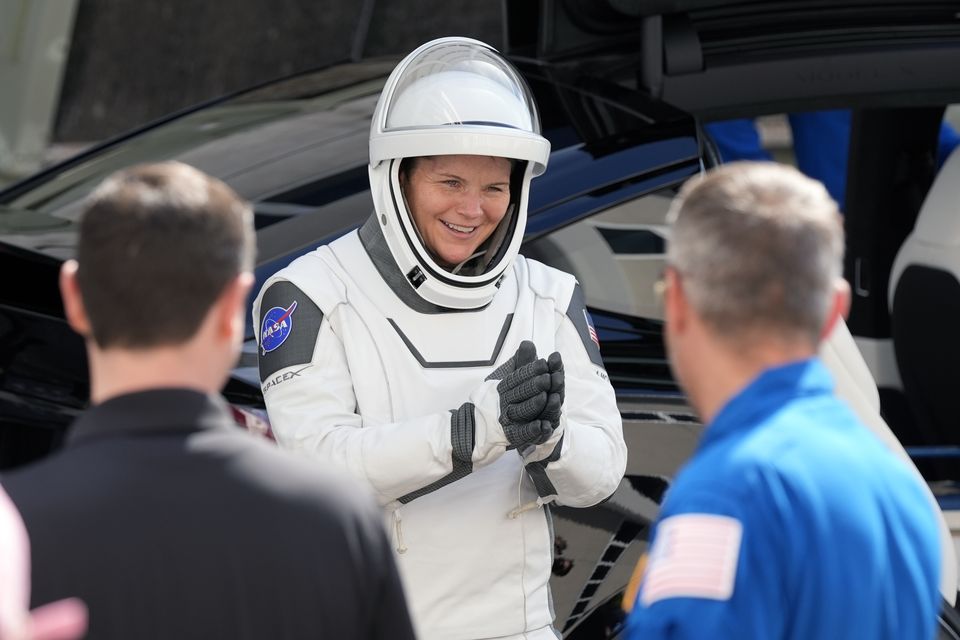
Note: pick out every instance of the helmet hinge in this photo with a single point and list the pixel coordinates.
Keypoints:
(416, 277)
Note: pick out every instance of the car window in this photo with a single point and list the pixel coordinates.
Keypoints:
(617, 255)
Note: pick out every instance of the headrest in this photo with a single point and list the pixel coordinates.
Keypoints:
(935, 239)
(939, 220)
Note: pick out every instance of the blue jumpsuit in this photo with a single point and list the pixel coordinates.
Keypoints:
(791, 521)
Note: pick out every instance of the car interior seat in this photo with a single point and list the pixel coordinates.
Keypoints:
(855, 384)
(924, 300)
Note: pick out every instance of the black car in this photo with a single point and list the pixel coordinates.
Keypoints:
(624, 88)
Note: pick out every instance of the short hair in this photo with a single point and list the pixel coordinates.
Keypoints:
(758, 246)
(409, 165)
(158, 243)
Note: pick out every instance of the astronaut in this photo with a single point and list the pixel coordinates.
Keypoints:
(428, 359)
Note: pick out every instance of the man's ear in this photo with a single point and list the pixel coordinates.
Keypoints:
(839, 307)
(73, 306)
(232, 306)
(676, 307)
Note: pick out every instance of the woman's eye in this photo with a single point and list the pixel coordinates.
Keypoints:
(451, 183)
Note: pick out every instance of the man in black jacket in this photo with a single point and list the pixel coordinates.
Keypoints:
(159, 513)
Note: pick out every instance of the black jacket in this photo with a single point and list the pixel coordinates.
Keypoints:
(170, 522)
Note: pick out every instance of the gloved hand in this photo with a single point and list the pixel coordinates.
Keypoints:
(530, 396)
(551, 444)
(555, 393)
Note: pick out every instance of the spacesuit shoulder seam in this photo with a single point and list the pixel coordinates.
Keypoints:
(546, 282)
(314, 274)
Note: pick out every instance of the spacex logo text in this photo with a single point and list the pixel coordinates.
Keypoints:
(283, 377)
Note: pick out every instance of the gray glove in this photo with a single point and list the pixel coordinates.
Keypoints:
(524, 388)
(555, 394)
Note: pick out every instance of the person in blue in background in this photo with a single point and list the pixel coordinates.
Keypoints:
(791, 520)
(821, 144)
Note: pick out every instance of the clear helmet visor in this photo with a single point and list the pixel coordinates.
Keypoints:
(457, 96)
(459, 83)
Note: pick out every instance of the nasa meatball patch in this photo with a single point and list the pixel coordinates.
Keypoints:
(275, 328)
(287, 330)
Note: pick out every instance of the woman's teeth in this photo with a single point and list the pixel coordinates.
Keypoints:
(457, 227)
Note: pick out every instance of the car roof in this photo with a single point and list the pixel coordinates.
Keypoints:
(293, 146)
(297, 149)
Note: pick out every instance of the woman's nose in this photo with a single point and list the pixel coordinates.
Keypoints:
(471, 204)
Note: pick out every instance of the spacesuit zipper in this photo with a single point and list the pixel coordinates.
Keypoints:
(398, 527)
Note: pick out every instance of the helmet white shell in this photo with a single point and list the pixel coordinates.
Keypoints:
(452, 96)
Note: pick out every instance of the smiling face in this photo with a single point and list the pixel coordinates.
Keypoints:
(456, 202)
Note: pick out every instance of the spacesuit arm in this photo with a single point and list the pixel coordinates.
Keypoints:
(584, 461)
(308, 388)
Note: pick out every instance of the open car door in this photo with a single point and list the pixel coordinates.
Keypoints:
(892, 63)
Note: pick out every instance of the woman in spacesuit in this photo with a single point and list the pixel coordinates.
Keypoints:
(428, 359)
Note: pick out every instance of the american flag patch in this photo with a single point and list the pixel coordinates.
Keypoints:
(590, 329)
(694, 556)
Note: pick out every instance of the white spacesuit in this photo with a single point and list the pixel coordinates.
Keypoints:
(411, 375)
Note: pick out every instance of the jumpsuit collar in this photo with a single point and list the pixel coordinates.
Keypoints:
(371, 237)
(153, 411)
(766, 394)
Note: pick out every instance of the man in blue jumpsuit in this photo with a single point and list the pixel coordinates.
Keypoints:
(791, 520)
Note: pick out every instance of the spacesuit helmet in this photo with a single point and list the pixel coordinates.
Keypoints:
(454, 96)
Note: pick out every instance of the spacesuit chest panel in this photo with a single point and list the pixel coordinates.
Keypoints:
(429, 362)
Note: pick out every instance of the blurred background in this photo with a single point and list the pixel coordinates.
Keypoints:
(75, 72)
